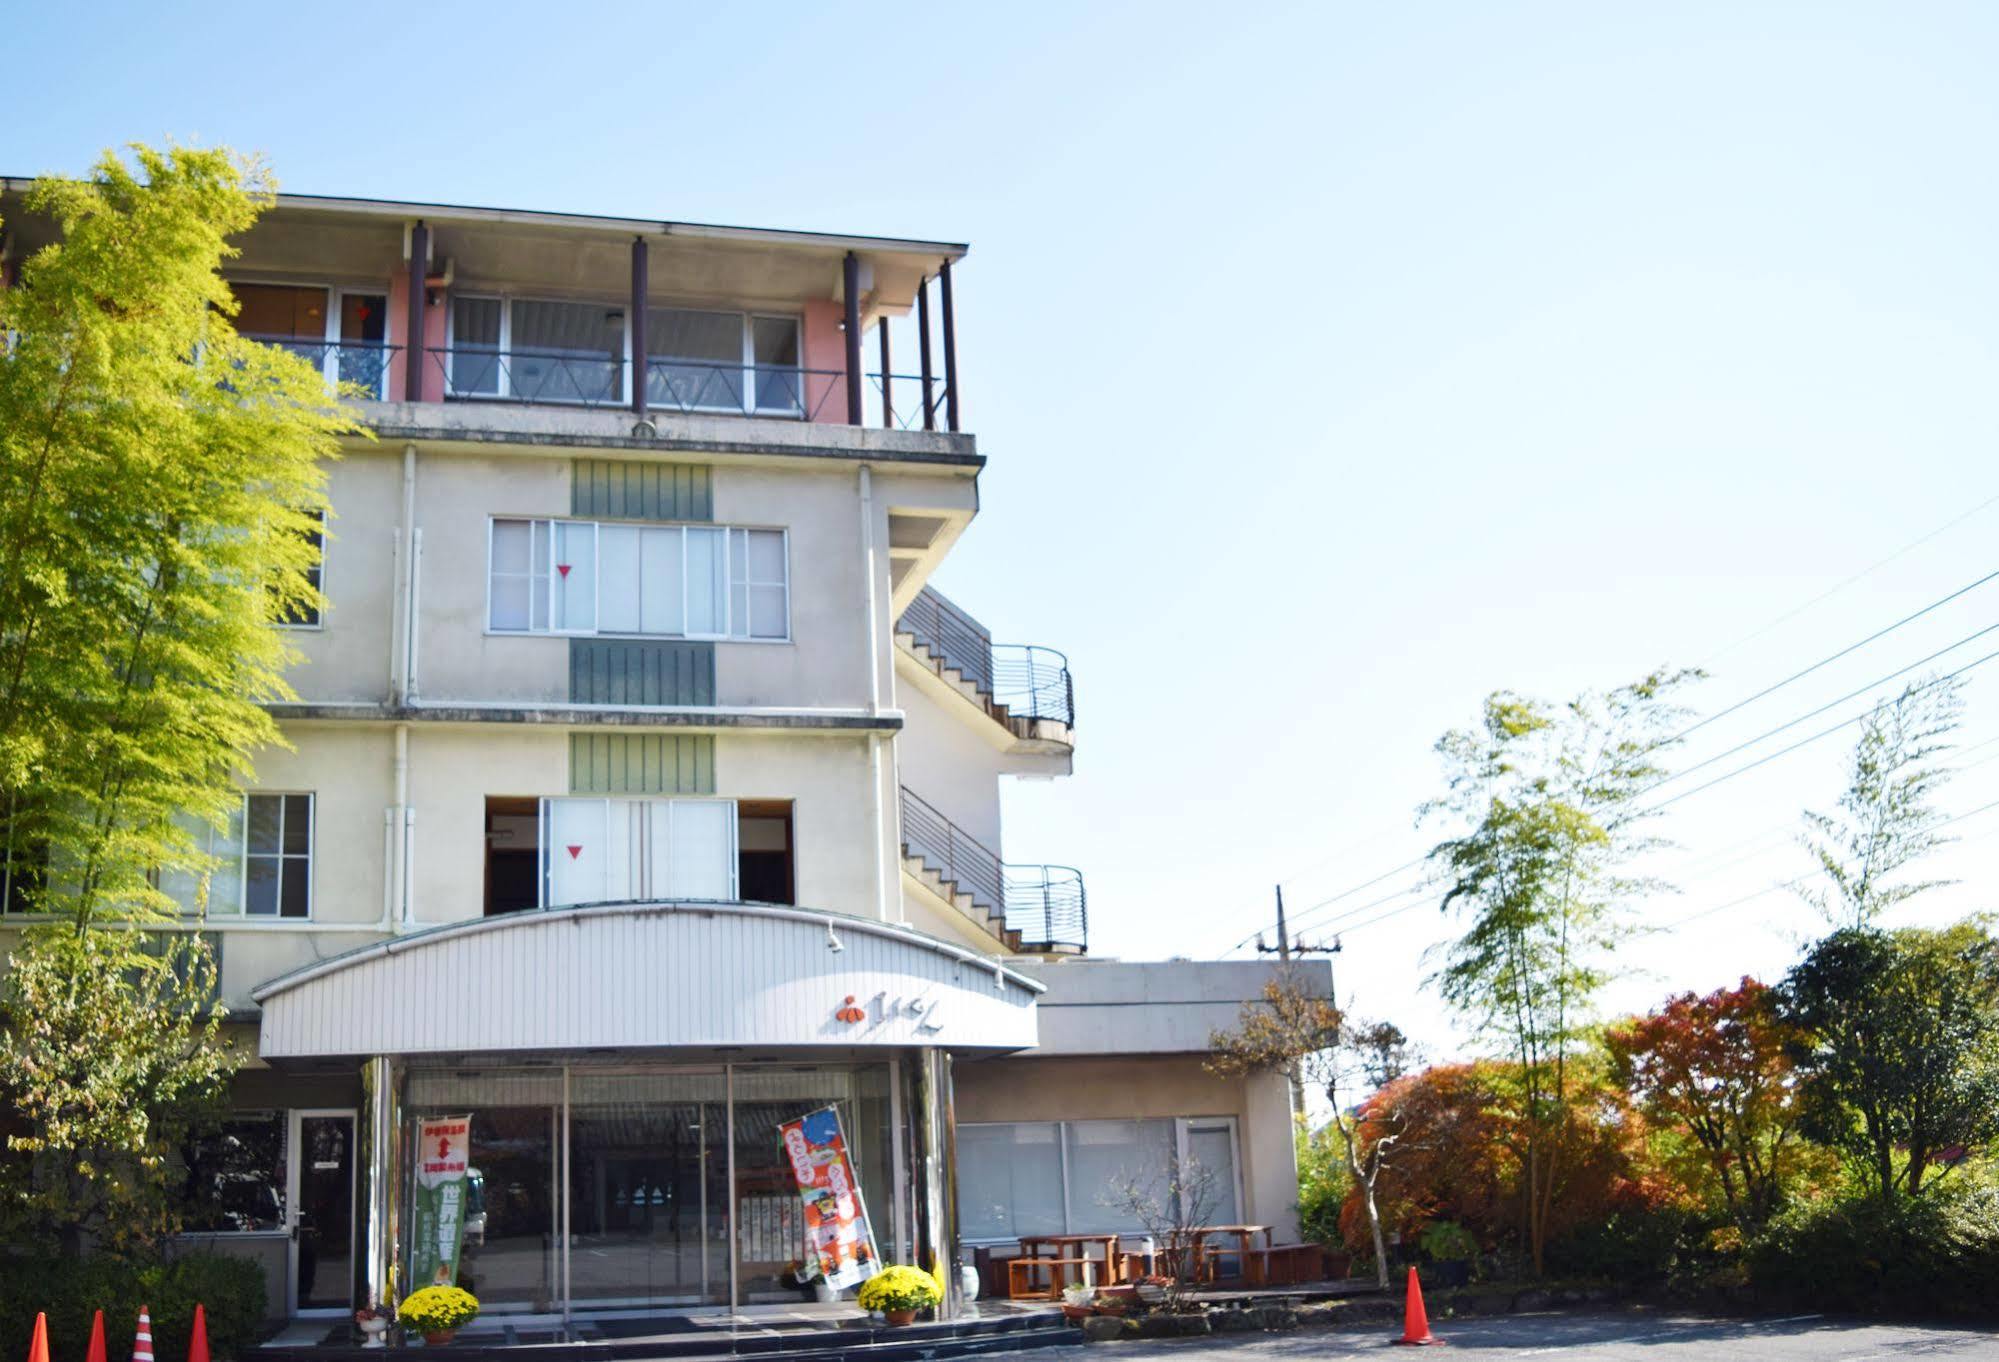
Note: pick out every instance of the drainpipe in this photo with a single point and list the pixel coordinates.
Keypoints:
(411, 686)
(887, 899)
(401, 817)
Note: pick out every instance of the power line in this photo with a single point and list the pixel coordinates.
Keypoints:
(1830, 704)
(1827, 661)
(1840, 586)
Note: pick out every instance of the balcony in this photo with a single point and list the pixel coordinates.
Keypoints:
(1036, 909)
(1023, 687)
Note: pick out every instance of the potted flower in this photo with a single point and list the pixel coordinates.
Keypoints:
(438, 1312)
(373, 1321)
(899, 1292)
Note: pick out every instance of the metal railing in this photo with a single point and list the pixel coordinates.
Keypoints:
(362, 363)
(1042, 907)
(958, 640)
(1031, 681)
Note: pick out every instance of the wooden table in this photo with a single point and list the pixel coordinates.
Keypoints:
(1204, 1254)
(1058, 1254)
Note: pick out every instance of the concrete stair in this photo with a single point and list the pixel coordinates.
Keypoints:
(955, 679)
(990, 920)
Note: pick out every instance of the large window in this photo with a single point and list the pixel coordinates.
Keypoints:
(307, 616)
(537, 351)
(722, 361)
(670, 581)
(235, 1176)
(609, 850)
(1069, 1177)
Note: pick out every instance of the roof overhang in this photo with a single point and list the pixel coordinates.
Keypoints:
(648, 976)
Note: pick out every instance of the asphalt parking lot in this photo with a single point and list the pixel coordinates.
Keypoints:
(1624, 1336)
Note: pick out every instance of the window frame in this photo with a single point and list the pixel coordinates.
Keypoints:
(318, 621)
(1181, 1127)
(310, 856)
(597, 630)
(330, 338)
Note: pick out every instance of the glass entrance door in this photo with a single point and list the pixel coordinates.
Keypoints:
(322, 1178)
(648, 1189)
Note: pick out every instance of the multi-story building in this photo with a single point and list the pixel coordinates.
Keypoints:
(642, 795)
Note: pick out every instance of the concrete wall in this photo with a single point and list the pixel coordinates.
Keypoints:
(945, 758)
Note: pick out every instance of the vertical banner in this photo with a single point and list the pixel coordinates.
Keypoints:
(437, 1203)
(836, 1223)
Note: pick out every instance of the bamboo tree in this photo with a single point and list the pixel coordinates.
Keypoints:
(1541, 871)
(160, 481)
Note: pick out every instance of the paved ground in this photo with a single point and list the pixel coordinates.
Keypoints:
(1618, 1337)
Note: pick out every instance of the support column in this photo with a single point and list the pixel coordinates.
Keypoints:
(950, 349)
(381, 1178)
(850, 286)
(413, 352)
(934, 1173)
(640, 288)
(923, 336)
(888, 401)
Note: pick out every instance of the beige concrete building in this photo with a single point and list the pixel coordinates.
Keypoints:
(642, 796)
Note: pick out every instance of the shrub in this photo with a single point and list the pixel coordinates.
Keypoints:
(231, 1290)
(1323, 1183)
(900, 1288)
(1633, 1247)
(1935, 1255)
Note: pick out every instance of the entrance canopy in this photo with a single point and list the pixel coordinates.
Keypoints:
(647, 976)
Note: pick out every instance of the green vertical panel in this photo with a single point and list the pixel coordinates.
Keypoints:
(641, 763)
(630, 671)
(624, 489)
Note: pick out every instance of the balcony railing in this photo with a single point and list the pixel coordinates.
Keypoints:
(1042, 907)
(362, 363)
(1026, 680)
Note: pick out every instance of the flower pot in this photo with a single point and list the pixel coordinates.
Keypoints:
(898, 1318)
(437, 1338)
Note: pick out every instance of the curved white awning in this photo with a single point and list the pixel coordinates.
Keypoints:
(647, 975)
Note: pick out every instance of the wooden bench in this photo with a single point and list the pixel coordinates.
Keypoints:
(1283, 1265)
(1018, 1270)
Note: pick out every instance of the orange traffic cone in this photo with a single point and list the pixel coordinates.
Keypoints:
(1415, 1319)
(197, 1343)
(142, 1346)
(96, 1353)
(38, 1347)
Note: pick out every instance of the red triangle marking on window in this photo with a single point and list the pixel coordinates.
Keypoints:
(562, 568)
(574, 852)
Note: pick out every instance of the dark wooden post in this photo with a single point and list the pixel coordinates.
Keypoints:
(923, 331)
(888, 402)
(851, 285)
(950, 350)
(413, 356)
(640, 287)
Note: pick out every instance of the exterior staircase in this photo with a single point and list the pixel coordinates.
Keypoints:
(1024, 688)
(1037, 909)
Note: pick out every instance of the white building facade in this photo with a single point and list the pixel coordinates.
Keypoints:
(642, 795)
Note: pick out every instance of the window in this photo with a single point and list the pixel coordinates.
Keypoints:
(236, 1175)
(1064, 1177)
(24, 865)
(670, 581)
(610, 850)
(537, 351)
(343, 331)
(307, 617)
(263, 861)
(277, 856)
(722, 361)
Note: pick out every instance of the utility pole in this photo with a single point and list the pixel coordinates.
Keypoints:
(1284, 951)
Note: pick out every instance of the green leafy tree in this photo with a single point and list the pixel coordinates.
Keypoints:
(1293, 1031)
(1886, 820)
(160, 483)
(1546, 797)
(1898, 1049)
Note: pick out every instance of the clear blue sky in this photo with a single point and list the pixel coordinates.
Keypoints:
(1336, 363)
